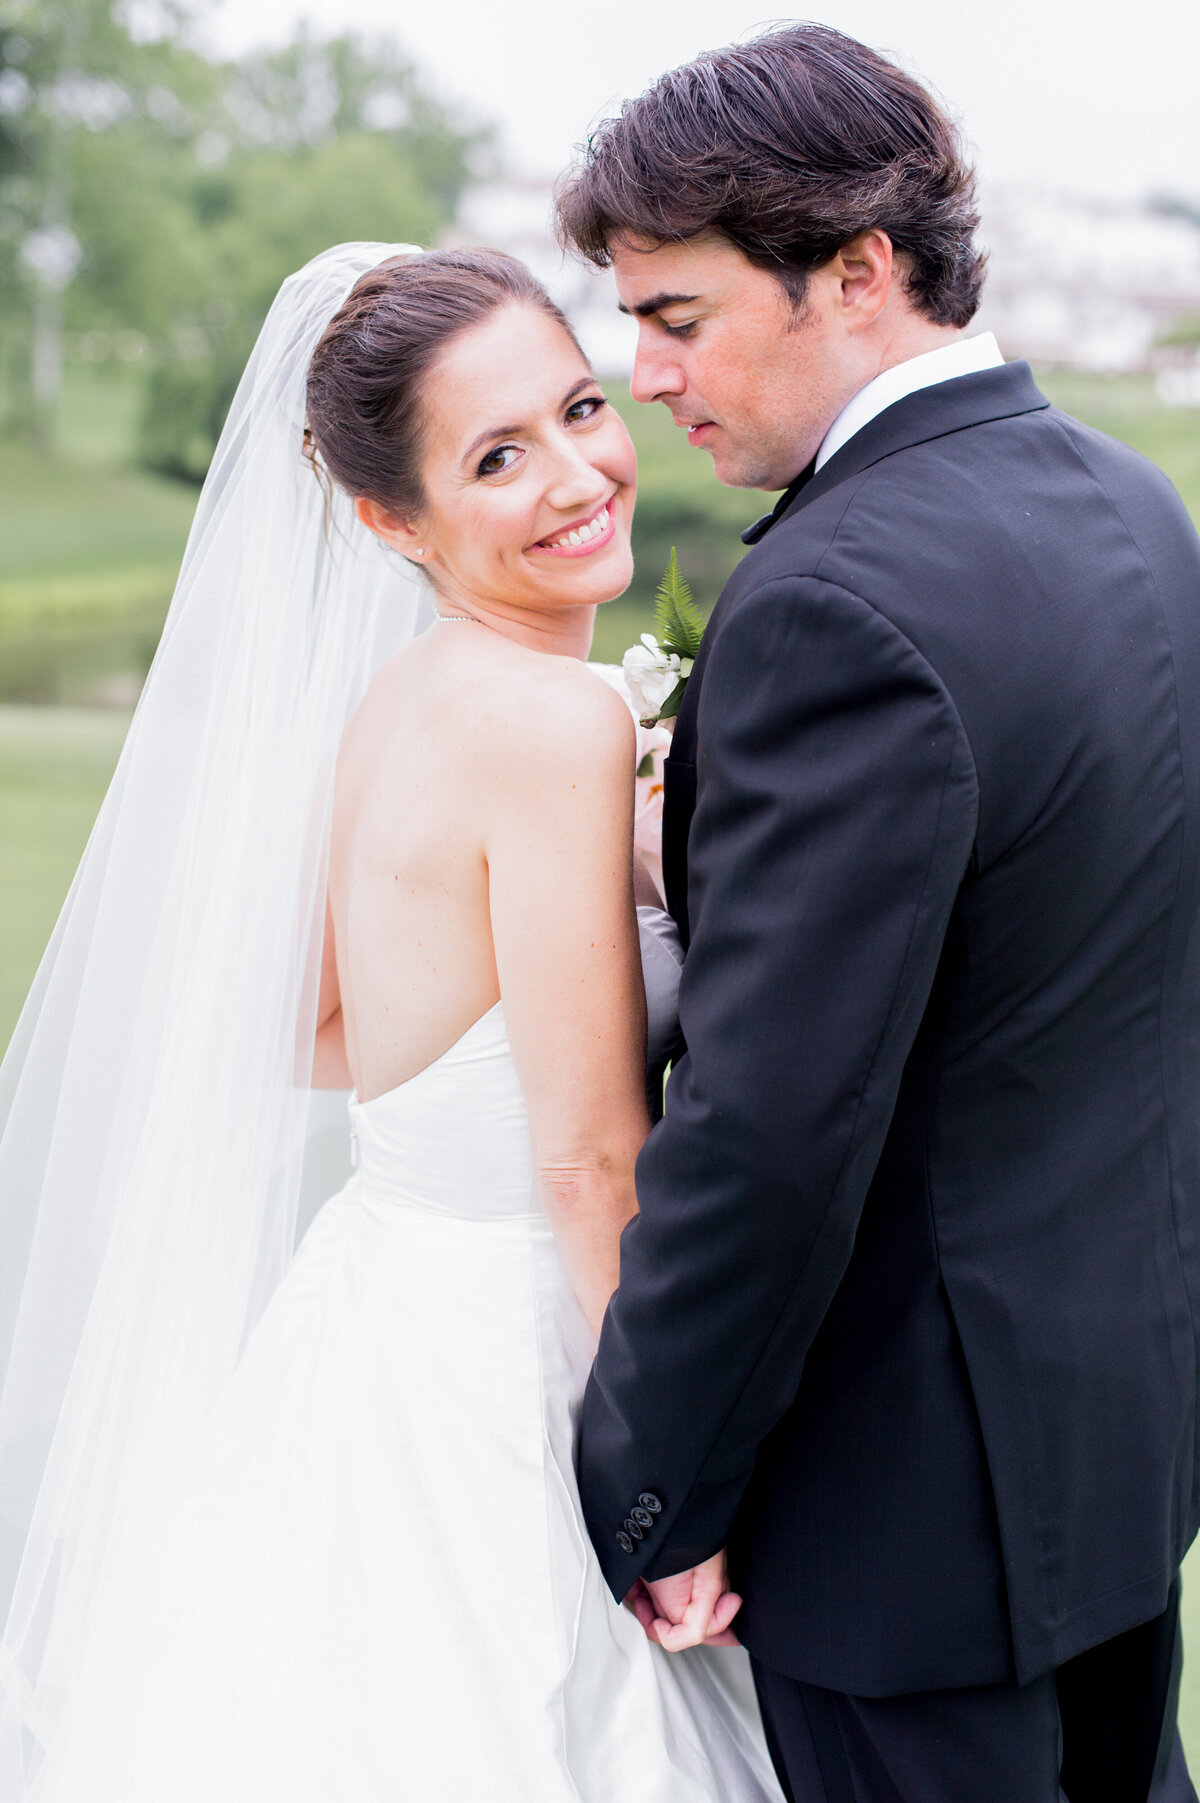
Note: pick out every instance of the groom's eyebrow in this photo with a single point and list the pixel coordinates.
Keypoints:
(656, 303)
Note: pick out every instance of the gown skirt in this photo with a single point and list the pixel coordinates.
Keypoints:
(374, 1584)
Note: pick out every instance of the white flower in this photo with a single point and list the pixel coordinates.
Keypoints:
(650, 675)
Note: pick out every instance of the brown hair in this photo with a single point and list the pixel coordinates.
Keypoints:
(789, 146)
(365, 414)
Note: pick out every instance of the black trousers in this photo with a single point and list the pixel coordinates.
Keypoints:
(1101, 1729)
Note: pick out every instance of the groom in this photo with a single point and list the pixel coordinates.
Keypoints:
(908, 1320)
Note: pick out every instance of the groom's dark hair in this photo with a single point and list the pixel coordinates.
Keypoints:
(789, 146)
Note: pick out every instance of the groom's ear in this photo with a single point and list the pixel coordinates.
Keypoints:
(863, 270)
(391, 527)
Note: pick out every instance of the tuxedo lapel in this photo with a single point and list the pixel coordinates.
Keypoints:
(930, 413)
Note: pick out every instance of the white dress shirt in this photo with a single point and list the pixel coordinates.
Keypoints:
(964, 357)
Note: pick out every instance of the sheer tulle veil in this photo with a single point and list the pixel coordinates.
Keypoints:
(153, 1105)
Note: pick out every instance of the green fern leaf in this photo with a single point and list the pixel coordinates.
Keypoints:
(680, 622)
(670, 706)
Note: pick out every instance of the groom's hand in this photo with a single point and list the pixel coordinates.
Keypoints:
(693, 1608)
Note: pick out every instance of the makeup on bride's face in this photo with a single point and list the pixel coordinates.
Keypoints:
(529, 474)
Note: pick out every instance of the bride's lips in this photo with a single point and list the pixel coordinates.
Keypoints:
(559, 543)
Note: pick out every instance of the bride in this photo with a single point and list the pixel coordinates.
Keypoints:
(304, 1527)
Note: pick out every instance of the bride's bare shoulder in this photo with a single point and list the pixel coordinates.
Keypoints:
(539, 701)
(493, 709)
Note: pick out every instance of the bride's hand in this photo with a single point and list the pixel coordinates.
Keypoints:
(692, 1608)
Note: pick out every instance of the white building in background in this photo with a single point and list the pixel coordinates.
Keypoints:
(1083, 282)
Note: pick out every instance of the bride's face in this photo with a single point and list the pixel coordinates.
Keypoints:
(529, 475)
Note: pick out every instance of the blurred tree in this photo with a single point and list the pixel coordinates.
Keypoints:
(317, 143)
(37, 251)
(151, 201)
(95, 118)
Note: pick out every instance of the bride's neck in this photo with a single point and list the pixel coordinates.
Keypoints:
(561, 631)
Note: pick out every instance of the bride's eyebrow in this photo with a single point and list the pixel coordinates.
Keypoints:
(486, 438)
(515, 431)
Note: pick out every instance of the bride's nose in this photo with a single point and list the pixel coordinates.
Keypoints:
(575, 482)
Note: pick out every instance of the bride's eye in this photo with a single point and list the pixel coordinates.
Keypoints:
(587, 408)
(502, 458)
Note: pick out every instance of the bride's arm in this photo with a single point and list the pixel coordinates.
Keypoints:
(559, 847)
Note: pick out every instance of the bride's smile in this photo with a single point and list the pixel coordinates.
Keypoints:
(588, 536)
(528, 476)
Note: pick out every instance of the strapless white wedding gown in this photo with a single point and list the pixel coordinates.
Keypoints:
(380, 1588)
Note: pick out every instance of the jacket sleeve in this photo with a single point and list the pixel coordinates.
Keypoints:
(835, 815)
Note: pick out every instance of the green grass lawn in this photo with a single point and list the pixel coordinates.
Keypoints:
(55, 764)
(89, 550)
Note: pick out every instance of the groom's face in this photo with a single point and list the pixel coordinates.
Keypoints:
(754, 380)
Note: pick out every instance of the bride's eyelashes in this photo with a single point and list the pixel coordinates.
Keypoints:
(587, 407)
(502, 459)
(491, 467)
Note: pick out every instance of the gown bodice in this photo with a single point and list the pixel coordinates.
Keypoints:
(455, 1138)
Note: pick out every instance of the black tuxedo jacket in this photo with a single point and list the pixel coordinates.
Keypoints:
(909, 1314)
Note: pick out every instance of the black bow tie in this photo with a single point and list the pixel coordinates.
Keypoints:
(761, 527)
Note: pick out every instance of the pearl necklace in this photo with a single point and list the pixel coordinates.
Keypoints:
(457, 620)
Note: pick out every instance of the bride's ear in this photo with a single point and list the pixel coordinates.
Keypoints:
(394, 530)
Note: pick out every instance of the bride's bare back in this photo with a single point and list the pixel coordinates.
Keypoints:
(483, 813)
(408, 877)
(483, 818)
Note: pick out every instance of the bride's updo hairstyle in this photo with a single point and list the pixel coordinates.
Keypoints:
(367, 377)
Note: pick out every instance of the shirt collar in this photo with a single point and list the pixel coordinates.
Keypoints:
(962, 357)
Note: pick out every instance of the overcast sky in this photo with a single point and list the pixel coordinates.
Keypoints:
(1085, 95)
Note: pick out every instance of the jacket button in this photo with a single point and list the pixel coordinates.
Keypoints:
(642, 1516)
(625, 1543)
(649, 1501)
(632, 1528)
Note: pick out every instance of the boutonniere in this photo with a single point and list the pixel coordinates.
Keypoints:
(657, 669)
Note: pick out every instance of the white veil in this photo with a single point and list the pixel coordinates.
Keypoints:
(153, 1103)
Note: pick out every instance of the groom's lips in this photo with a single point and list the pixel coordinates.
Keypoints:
(696, 429)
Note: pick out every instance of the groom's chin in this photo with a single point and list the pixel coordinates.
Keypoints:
(744, 471)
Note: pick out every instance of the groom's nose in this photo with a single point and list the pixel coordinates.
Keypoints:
(656, 374)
